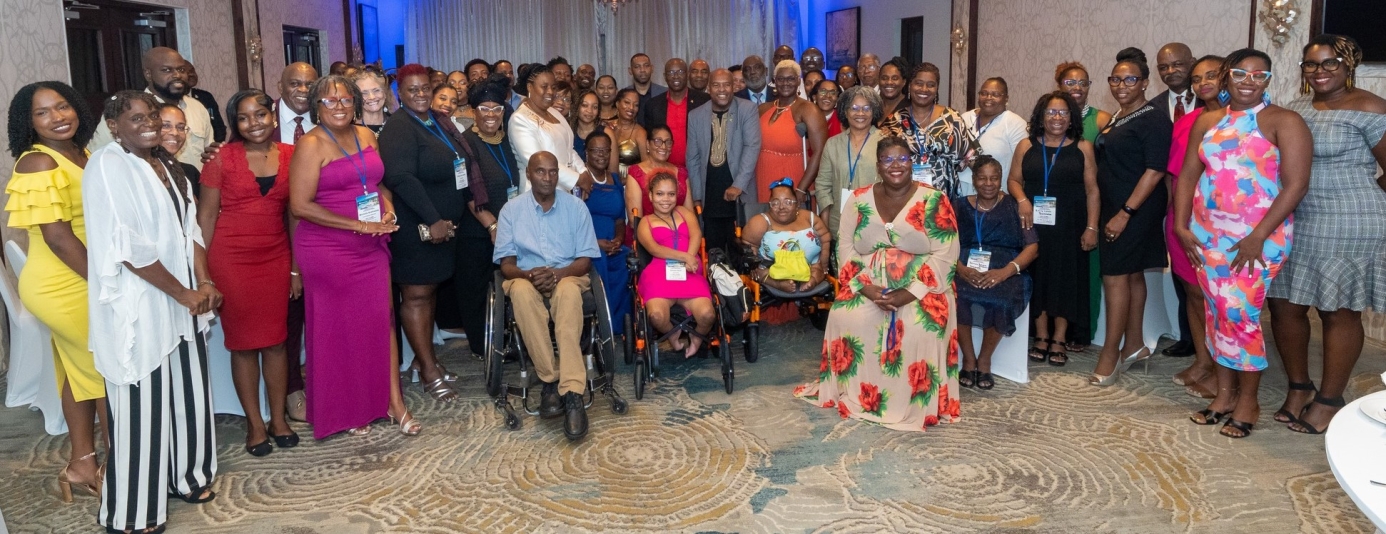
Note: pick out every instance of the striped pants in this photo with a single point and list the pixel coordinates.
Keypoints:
(162, 440)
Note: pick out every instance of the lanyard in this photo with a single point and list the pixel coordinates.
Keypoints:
(982, 130)
(361, 168)
(978, 218)
(890, 326)
(437, 131)
(674, 230)
(499, 156)
(852, 166)
(1048, 162)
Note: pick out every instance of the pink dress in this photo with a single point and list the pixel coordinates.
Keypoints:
(1178, 147)
(654, 285)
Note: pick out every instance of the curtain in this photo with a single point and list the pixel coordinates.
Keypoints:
(446, 34)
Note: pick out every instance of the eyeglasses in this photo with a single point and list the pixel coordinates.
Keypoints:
(988, 94)
(673, 72)
(887, 161)
(1076, 83)
(783, 202)
(661, 142)
(490, 109)
(1129, 81)
(1056, 113)
(782, 182)
(860, 109)
(1258, 76)
(786, 79)
(337, 102)
(1330, 65)
(827, 92)
(168, 126)
(598, 151)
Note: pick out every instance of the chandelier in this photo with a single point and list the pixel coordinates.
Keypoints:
(614, 4)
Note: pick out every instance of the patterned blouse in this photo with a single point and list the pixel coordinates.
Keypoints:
(945, 147)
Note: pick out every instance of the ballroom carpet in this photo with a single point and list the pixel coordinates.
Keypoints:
(1052, 456)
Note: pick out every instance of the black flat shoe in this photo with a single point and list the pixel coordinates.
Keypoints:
(262, 449)
(199, 496)
(1179, 349)
(288, 441)
(984, 381)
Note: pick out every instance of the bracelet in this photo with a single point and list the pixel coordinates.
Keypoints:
(1017, 267)
(1128, 209)
(492, 228)
(1090, 228)
(206, 283)
(1023, 199)
(292, 273)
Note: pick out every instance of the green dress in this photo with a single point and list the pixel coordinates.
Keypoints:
(1090, 131)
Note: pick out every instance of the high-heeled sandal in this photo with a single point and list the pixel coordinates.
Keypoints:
(1284, 416)
(363, 430)
(415, 373)
(1134, 358)
(1305, 428)
(407, 424)
(1037, 355)
(440, 390)
(65, 483)
(1241, 426)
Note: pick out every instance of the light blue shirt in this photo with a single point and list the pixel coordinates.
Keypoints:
(538, 238)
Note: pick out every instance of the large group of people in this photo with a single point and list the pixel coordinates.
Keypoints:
(365, 199)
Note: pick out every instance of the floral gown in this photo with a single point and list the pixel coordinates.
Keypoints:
(897, 369)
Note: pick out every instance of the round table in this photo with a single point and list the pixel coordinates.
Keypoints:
(1355, 444)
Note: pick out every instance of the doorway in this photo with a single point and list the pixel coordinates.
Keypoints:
(912, 39)
(105, 39)
(303, 44)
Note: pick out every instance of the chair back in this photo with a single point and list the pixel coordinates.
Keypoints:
(8, 289)
(15, 257)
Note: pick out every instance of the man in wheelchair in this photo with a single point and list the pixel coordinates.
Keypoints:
(544, 245)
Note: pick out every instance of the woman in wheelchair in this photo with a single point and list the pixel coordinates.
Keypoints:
(670, 233)
(789, 243)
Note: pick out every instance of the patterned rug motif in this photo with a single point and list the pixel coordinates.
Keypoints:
(1055, 455)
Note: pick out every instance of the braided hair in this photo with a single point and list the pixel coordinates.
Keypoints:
(1344, 47)
(120, 103)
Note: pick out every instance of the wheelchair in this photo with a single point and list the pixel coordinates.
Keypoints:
(814, 303)
(503, 342)
(642, 340)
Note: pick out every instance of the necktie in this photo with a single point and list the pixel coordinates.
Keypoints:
(1179, 105)
(760, 99)
(298, 128)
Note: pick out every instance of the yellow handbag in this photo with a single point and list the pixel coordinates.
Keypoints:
(790, 263)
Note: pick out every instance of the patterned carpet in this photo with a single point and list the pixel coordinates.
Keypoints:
(1055, 455)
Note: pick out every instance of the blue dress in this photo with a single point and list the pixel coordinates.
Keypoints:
(1002, 236)
(607, 202)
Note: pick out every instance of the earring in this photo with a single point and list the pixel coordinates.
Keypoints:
(1265, 97)
(1305, 89)
(1224, 97)
(1349, 81)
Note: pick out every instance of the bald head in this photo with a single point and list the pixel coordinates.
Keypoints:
(782, 53)
(295, 84)
(812, 59)
(676, 75)
(722, 88)
(542, 171)
(166, 72)
(1173, 62)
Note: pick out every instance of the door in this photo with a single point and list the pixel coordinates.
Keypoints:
(912, 39)
(302, 44)
(105, 39)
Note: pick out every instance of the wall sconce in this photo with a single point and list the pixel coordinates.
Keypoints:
(959, 40)
(254, 49)
(1278, 16)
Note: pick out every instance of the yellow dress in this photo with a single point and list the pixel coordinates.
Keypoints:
(51, 290)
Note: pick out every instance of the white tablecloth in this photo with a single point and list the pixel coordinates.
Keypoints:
(1161, 311)
(1355, 445)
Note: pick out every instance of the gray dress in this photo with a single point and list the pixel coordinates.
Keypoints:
(1338, 252)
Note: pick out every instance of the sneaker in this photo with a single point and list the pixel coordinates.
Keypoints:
(575, 424)
(549, 403)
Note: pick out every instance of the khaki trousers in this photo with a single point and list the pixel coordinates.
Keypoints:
(532, 316)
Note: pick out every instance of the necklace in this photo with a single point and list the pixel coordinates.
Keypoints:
(779, 110)
(988, 208)
(603, 181)
(492, 139)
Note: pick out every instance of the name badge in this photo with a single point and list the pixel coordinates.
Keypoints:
(512, 192)
(368, 207)
(923, 174)
(846, 196)
(1046, 210)
(979, 260)
(459, 172)
(674, 271)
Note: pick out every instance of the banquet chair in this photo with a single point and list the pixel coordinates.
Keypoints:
(32, 380)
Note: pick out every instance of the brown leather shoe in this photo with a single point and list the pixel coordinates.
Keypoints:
(297, 406)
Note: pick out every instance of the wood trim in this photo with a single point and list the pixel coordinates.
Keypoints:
(1251, 32)
(972, 53)
(239, 43)
(349, 30)
(260, 28)
(1315, 18)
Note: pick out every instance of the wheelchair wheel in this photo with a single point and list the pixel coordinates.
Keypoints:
(819, 319)
(629, 336)
(618, 406)
(640, 378)
(751, 342)
(724, 353)
(494, 345)
(512, 421)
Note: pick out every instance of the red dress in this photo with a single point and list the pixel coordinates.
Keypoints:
(249, 254)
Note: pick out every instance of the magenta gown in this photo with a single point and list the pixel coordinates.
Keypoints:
(346, 291)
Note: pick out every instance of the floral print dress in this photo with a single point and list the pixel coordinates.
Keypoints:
(897, 369)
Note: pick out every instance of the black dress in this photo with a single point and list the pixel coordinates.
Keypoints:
(419, 172)
(1061, 270)
(1133, 144)
(500, 171)
(1004, 239)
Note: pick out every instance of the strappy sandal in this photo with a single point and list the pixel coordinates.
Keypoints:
(1058, 358)
(364, 430)
(1075, 347)
(440, 390)
(1208, 417)
(407, 424)
(1243, 427)
(65, 484)
(1037, 355)
(985, 381)
(1305, 428)
(1284, 416)
(967, 378)
(199, 496)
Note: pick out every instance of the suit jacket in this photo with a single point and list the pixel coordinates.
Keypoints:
(657, 110)
(743, 147)
(745, 94)
(655, 90)
(1161, 102)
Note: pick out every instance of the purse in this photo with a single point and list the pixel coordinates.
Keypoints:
(790, 263)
